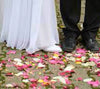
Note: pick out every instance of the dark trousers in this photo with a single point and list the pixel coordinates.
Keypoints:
(70, 11)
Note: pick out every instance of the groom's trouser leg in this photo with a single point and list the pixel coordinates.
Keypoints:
(70, 11)
(92, 18)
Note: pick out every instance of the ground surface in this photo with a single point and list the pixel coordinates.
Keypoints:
(77, 70)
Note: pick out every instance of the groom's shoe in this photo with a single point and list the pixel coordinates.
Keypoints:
(91, 44)
(89, 41)
(69, 44)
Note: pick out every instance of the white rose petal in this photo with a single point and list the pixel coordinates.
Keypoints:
(91, 55)
(19, 64)
(69, 67)
(55, 57)
(36, 59)
(40, 65)
(17, 60)
(60, 78)
(83, 58)
(69, 54)
(25, 80)
(97, 70)
(72, 59)
(27, 63)
(19, 74)
(87, 80)
(88, 64)
(53, 80)
(9, 85)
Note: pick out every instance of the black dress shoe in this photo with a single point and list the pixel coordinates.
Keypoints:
(69, 44)
(91, 44)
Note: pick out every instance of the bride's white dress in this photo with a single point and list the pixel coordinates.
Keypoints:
(29, 24)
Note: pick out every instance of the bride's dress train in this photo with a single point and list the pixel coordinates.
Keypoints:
(30, 25)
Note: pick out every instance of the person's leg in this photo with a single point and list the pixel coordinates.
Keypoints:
(91, 24)
(43, 30)
(70, 11)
